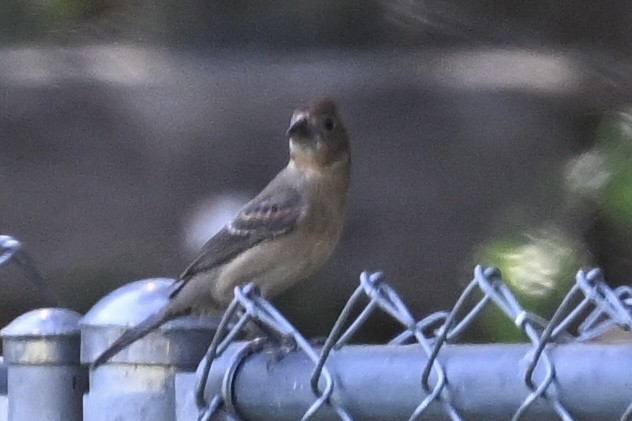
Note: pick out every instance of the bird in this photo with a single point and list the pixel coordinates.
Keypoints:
(280, 237)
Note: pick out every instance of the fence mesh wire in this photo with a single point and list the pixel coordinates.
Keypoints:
(590, 308)
(13, 251)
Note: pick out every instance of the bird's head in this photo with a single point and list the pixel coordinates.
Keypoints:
(317, 136)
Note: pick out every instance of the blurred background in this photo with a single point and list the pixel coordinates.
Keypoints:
(493, 132)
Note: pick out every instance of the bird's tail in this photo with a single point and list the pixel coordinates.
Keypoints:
(135, 333)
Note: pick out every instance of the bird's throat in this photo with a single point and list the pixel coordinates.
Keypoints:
(306, 157)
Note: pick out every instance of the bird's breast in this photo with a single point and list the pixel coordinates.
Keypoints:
(276, 264)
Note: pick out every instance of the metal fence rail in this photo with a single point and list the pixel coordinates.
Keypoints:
(420, 374)
(485, 382)
(572, 380)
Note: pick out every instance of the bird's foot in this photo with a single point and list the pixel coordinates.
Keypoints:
(283, 346)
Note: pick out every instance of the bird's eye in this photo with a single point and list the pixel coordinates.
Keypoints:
(329, 124)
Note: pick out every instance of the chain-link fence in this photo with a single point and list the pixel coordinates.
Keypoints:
(573, 380)
(12, 251)
(564, 371)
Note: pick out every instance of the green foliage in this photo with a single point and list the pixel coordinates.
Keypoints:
(539, 267)
(615, 142)
(540, 263)
(33, 18)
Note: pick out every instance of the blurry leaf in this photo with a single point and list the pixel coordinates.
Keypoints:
(539, 267)
(615, 136)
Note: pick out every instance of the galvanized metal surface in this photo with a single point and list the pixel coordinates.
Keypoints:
(46, 392)
(43, 336)
(556, 376)
(131, 392)
(419, 374)
(45, 380)
(13, 251)
(181, 342)
(4, 400)
(382, 382)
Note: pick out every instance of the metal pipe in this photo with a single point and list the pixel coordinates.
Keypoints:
(593, 381)
(45, 379)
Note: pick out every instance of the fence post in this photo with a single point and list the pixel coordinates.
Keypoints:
(45, 380)
(139, 382)
(4, 399)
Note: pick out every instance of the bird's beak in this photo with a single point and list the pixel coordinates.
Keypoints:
(298, 127)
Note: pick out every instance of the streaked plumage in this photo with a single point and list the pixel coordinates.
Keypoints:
(278, 238)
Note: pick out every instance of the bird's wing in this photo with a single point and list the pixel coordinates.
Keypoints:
(265, 217)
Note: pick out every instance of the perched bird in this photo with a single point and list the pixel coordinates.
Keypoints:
(278, 238)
